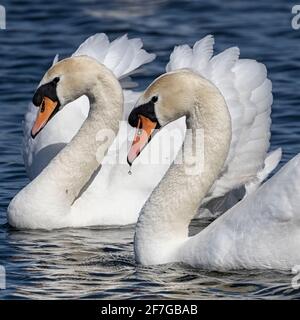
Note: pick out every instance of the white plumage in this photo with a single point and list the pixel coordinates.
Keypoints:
(260, 232)
(248, 94)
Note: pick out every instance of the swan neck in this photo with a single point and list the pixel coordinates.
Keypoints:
(74, 166)
(164, 221)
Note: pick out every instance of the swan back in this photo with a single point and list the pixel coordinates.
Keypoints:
(261, 231)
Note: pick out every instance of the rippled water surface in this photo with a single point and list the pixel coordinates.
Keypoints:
(97, 262)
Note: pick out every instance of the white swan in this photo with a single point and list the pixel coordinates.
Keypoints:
(262, 231)
(51, 199)
(247, 92)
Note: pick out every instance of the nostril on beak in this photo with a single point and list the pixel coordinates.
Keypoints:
(43, 106)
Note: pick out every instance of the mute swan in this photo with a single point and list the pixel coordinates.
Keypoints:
(113, 187)
(261, 231)
(247, 92)
(49, 201)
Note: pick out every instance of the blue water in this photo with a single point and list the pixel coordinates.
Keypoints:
(97, 262)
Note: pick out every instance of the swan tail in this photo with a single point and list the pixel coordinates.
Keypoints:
(218, 205)
(122, 56)
(271, 162)
(214, 206)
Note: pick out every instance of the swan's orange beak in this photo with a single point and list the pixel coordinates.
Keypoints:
(46, 111)
(143, 134)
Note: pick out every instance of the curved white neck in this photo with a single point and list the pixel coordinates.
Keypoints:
(163, 224)
(68, 173)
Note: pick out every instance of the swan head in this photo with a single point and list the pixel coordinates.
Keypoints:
(63, 83)
(170, 97)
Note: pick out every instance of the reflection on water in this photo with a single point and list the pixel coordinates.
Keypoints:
(97, 262)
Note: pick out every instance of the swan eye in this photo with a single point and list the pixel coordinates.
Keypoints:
(56, 80)
(154, 99)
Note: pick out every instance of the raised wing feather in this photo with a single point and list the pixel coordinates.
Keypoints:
(122, 56)
(247, 92)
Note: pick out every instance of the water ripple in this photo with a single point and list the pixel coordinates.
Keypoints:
(99, 262)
